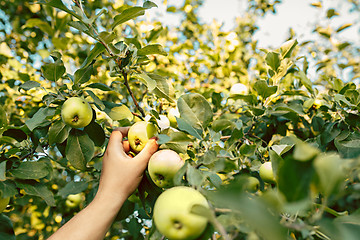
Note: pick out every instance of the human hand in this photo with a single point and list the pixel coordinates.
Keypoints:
(121, 174)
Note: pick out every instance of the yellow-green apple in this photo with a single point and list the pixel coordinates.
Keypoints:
(139, 134)
(3, 203)
(266, 172)
(252, 184)
(163, 165)
(173, 113)
(239, 88)
(73, 200)
(173, 217)
(76, 112)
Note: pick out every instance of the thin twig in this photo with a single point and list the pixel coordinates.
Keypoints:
(132, 95)
(126, 83)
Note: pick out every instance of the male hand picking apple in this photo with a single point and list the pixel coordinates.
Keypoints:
(173, 217)
(76, 112)
(163, 165)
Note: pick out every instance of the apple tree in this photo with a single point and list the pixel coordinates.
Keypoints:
(277, 159)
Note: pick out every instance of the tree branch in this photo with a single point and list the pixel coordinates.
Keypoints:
(132, 95)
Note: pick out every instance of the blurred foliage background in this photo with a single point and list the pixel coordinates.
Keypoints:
(307, 127)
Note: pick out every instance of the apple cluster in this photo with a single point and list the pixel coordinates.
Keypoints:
(172, 210)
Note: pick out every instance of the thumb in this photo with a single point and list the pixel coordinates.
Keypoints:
(149, 149)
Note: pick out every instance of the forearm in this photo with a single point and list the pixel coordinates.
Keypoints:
(92, 222)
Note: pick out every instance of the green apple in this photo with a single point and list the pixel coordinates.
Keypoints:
(173, 217)
(163, 165)
(139, 134)
(172, 115)
(73, 200)
(3, 203)
(266, 172)
(239, 88)
(252, 184)
(76, 112)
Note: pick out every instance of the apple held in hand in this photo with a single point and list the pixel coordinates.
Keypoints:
(266, 172)
(73, 200)
(139, 134)
(76, 112)
(173, 217)
(163, 165)
(3, 203)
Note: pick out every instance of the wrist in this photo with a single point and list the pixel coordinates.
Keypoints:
(113, 199)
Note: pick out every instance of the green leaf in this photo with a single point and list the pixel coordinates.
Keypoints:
(40, 118)
(2, 171)
(348, 144)
(294, 178)
(263, 89)
(330, 171)
(287, 48)
(58, 132)
(149, 4)
(53, 71)
(95, 51)
(273, 60)
(99, 104)
(118, 112)
(152, 49)
(183, 125)
(222, 124)
(248, 150)
(82, 27)
(164, 88)
(254, 211)
(7, 189)
(80, 149)
(38, 189)
(3, 119)
(343, 27)
(107, 37)
(36, 22)
(306, 81)
(58, 4)
(29, 85)
(6, 228)
(194, 176)
(32, 170)
(73, 188)
(83, 75)
(148, 81)
(100, 86)
(195, 109)
(96, 133)
(128, 14)
(176, 141)
(305, 152)
(202, 211)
